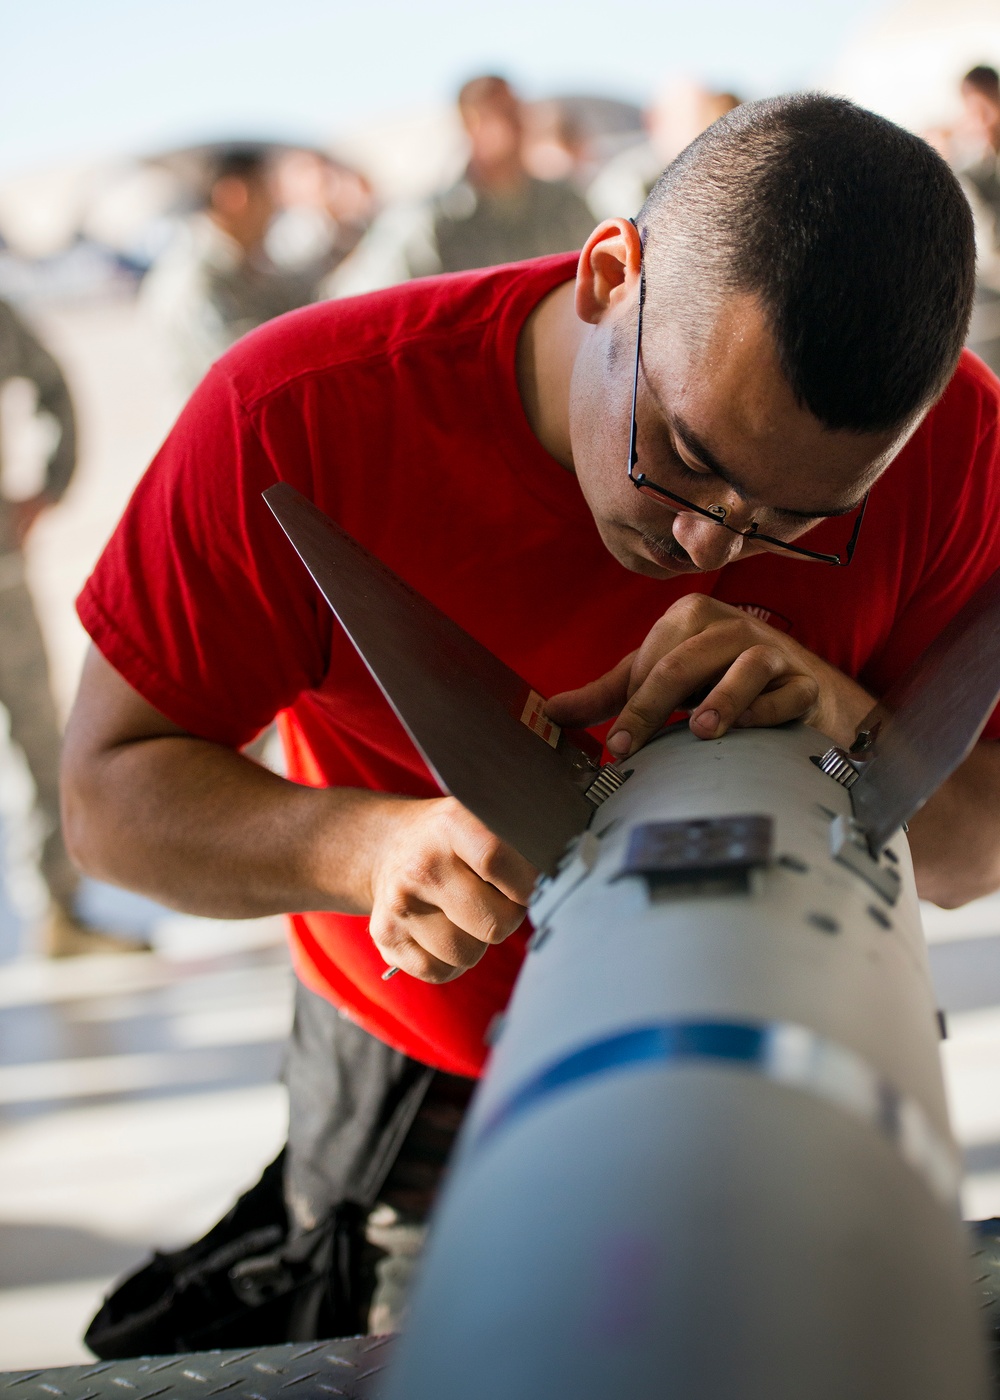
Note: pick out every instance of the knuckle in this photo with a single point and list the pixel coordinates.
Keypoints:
(426, 968)
(492, 933)
(806, 690)
(421, 871)
(736, 629)
(467, 956)
(666, 674)
(727, 700)
(387, 930)
(463, 826)
(665, 668)
(772, 652)
(491, 853)
(457, 950)
(692, 608)
(450, 814)
(495, 927)
(509, 923)
(766, 657)
(639, 713)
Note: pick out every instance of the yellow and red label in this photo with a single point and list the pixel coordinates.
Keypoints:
(534, 716)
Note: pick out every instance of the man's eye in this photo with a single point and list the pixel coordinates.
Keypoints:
(689, 473)
(689, 470)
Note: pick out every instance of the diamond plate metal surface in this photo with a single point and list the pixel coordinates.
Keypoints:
(352, 1367)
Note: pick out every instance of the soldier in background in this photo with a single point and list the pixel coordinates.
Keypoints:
(24, 673)
(682, 112)
(217, 281)
(981, 181)
(496, 213)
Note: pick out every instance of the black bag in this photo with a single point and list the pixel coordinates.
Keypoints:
(245, 1283)
(355, 1119)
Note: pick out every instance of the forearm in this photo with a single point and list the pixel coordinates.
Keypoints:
(199, 827)
(205, 830)
(955, 838)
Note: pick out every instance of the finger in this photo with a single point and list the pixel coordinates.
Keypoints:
(794, 698)
(760, 674)
(603, 698)
(491, 859)
(669, 681)
(478, 908)
(687, 618)
(421, 941)
(594, 702)
(447, 880)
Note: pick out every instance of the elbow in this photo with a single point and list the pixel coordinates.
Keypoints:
(81, 821)
(951, 888)
(74, 829)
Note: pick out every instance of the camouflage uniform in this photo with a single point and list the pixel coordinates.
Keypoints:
(24, 674)
(206, 292)
(465, 228)
(982, 186)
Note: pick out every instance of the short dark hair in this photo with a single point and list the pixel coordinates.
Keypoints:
(855, 236)
(983, 79)
(239, 162)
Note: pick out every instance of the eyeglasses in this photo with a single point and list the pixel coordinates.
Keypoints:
(717, 514)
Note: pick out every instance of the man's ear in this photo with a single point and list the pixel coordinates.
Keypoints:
(609, 269)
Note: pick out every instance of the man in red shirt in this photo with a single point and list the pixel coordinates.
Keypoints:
(807, 272)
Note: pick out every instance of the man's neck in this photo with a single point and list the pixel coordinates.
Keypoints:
(546, 352)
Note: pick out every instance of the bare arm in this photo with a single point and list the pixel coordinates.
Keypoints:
(201, 828)
(955, 839)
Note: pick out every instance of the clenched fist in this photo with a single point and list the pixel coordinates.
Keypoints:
(443, 887)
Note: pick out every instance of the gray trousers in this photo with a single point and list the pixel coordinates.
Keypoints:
(26, 694)
(370, 1125)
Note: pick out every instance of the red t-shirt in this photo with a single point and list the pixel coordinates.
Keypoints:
(398, 414)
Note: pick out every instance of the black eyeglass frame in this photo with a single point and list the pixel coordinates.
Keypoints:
(651, 488)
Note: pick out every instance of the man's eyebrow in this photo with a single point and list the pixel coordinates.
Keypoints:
(702, 454)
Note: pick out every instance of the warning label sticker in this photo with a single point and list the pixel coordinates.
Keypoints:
(534, 716)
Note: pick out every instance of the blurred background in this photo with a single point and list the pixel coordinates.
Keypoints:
(170, 176)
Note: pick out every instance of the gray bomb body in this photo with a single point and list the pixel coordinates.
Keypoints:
(763, 1207)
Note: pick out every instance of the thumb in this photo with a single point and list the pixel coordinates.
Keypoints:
(596, 701)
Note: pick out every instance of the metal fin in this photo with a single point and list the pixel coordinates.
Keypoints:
(472, 718)
(927, 723)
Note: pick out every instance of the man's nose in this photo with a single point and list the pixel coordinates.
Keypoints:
(709, 545)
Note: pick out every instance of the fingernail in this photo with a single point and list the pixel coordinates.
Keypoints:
(620, 743)
(707, 721)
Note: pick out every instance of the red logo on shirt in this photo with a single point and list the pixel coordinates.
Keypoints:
(773, 619)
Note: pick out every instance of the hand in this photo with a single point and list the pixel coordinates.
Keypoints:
(25, 513)
(755, 676)
(443, 888)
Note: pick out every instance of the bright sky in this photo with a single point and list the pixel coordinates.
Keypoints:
(113, 75)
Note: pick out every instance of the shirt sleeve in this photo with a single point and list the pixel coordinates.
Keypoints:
(198, 600)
